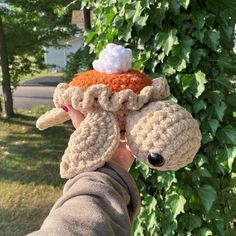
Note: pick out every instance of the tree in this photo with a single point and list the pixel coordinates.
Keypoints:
(7, 103)
(189, 42)
(29, 27)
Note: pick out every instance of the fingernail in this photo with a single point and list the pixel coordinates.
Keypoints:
(65, 108)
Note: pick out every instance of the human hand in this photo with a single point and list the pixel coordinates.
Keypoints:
(122, 155)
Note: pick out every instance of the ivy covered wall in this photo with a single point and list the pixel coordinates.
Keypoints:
(190, 42)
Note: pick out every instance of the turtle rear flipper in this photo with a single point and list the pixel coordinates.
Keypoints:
(91, 145)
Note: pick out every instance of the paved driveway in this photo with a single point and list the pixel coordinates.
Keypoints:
(35, 92)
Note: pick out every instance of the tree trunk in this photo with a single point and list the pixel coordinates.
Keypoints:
(7, 103)
(87, 19)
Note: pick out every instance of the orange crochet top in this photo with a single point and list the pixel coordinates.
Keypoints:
(133, 79)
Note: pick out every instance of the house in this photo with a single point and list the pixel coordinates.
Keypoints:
(58, 57)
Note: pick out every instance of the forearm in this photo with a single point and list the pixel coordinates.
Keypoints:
(103, 202)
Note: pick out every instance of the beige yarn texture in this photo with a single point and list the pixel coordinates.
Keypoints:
(53, 117)
(167, 129)
(151, 125)
(91, 145)
(101, 96)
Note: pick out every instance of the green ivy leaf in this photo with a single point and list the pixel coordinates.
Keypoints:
(166, 40)
(211, 126)
(145, 171)
(146, 33)
(125, 31)
(174, 64)
(180, 22)
(217, 110)
(197, 55)
(118, 21)
(176, 204)
(227, 135)
(223, 81)
(204, 172)
(152, 221)
(227, 62)
(184, 3)
(229, 6)
(168, 229)
(206, 138)
(226, 156)
(199, 105)
(219, 224)
(183, 49)
(207, 194)
(110, 14)
(214, 5)
(231, 158)
(204, 232)
(131, 9)
(140, 22)
(199, 35)
(174, 6)
(138, 228)
(199, 19)
(89, 36)
(200, 160)
(194, 82)
(187, 81)
(212, 39)
(158, 13)
(191, 221)
(201, 80)
(231, 98)
(152, 205)
(215, 97)
(168, 70)
(171, 40)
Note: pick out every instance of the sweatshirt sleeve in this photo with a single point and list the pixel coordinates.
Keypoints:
(103, 202)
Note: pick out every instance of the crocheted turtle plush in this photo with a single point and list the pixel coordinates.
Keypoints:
(115, 98)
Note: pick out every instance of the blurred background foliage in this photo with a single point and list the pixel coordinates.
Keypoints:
(30, 27)
(190, 42)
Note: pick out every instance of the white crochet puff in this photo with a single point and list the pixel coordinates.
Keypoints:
(113, 59)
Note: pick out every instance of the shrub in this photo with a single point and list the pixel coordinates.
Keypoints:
(79, 61)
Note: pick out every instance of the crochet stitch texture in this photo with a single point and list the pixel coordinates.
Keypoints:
(153, 126)
(132, 79)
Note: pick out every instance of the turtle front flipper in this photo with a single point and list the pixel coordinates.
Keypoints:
(53, 117)
(91, 145)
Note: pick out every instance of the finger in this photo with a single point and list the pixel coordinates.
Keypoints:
(122, 137)
(123, 141)
(75, 115)
(123, 157)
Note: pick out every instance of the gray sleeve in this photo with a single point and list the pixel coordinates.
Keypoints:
(103, 202)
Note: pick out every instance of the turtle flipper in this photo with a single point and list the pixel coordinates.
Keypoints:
(91, 144)
(53, 117)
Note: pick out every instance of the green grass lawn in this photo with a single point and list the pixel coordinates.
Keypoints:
(29, 171)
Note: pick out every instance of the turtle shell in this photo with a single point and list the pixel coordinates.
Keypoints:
(133, 79)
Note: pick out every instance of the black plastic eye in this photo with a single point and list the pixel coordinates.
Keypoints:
(156, 159)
